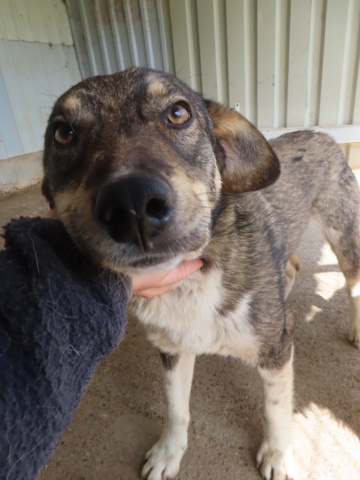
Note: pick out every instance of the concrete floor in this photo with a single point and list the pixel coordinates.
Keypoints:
(122, 412)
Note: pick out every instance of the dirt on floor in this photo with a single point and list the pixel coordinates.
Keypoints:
(123, 410)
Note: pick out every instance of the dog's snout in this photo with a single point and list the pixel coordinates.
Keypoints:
(135, 209)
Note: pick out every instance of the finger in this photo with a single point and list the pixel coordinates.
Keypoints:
(50, 213)
(154, 284)
(182, 271)
(148, 281)
(161, 279)
(153, 292)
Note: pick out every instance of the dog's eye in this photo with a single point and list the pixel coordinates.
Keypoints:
(179, 114)
(64, 134)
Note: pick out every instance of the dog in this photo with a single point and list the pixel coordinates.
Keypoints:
(145, 173)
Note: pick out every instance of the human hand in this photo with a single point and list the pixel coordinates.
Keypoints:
(51, 213)
(153, 284)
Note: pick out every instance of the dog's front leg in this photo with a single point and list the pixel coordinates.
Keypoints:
(163, 460)
(274, 456)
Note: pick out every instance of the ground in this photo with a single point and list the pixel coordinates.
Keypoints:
(122, 412)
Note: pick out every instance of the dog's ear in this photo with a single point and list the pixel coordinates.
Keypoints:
(246, 161)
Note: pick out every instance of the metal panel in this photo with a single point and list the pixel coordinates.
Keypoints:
(44, 21)
(185, 37)
(10, 142)
(37, 63)
(334, 55)
(111, 35)
(266, 38)
(241, 29)
(212, 33)
(299, 55)
(33, 75)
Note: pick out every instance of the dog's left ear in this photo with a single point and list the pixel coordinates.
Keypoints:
(248, 162)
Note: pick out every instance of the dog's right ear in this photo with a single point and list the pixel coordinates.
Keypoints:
(248, 162)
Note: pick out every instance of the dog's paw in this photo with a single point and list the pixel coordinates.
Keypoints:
(354, 337)
(273, 464)
(162, 461)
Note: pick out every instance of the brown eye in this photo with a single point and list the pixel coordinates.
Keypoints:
(64, 134)
(179, 114)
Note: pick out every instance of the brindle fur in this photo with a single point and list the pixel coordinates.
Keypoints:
(229, 208)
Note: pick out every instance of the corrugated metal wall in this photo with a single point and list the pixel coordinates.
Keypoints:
(111, 35)
(285, 63)
(37, 63)
(288, 63)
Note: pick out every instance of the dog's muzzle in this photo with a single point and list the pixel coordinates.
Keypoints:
(135, 209)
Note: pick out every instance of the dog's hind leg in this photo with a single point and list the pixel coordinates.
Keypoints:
(340, 216)
(274, 457)
(353, 287)
(347, 251)
(163, 459)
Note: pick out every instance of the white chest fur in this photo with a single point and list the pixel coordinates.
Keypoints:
(186, 320)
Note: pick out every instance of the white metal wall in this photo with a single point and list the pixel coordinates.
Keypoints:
(37, 63)
(111, 35)
(284, 63)
(288, 63)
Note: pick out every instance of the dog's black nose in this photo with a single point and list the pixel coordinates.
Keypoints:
(135, 209)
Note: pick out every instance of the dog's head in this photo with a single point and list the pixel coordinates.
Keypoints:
(136, 162)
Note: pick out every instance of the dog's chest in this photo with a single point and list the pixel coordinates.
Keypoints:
(187, 319)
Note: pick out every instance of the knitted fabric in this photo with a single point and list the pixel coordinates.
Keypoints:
(59, 317)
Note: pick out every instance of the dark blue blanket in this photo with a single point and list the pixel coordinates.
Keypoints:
(59, 317)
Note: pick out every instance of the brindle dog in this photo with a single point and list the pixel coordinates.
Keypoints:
(145, 173)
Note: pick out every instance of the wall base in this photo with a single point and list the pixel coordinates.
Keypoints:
(20, 172)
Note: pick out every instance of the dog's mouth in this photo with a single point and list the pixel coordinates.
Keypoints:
(130, 259)
(144, 224)
(136, 223)
(167, 252)
(148, 264)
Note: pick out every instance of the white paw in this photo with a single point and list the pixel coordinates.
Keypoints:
(272, 463)
(354, 337)
(163, 461)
